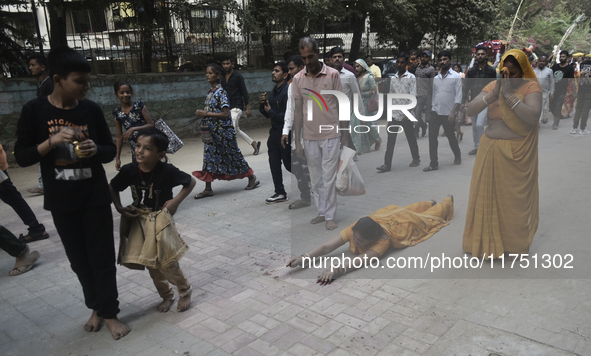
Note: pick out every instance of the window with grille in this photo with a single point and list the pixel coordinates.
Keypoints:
(205, 20)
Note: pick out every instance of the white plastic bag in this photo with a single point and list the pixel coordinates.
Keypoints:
(349, 180)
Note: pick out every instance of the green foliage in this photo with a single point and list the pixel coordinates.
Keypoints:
(14, 32)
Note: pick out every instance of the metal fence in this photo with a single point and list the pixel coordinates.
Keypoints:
(177, 41)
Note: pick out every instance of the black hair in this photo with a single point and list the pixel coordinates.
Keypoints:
(216, 68)
(40, 59)
(403, 55)
(297, 60)
(413, 51)
(228, 58)
(305, 42)
(287, 55)
(327, 55)
(444, 53)
(564, 51)
(513, 61)
(159, 139)
(457, 65)
(118, 84)
(544, 55)
(64, 60)
(336, 50)
(368, 56)
(283, 66)
(368, 228)
(482, 48)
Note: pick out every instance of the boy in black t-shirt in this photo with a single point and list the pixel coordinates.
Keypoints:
(159, 249)
(71, 139)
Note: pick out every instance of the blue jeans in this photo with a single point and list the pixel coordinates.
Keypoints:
(478, 123)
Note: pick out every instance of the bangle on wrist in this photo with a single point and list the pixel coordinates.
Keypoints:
(515, 105)
(50, 145)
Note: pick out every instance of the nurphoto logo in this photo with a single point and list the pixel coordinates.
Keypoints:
(345, 106)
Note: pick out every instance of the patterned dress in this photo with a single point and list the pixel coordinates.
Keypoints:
(222, 159)
(132, 119)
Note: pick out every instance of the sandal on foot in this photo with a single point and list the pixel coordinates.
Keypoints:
(257, 149)
(29, 238)
(204, 194)
(26, 265)
(252, 183)
(298, 204)
(430, 168)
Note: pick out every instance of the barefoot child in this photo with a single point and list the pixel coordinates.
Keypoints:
(76, 188)
(148, 234)
(130, 118)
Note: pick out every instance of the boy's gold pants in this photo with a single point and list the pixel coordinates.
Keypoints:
(170, 274)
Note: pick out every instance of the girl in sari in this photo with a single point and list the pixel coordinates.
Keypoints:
(222, 158)
(369, 90)
(503, 210)
(392, 226)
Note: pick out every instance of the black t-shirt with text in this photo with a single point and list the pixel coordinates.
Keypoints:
(561, 76)
(71, 183)
(150, 189)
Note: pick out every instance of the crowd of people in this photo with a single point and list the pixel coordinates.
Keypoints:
(68, 136)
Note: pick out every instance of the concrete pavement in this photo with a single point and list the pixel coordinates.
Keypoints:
(246, 304)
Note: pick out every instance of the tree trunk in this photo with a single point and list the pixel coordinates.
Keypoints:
(358, 28)
(57, 19)
(147, 35)
(267, 46)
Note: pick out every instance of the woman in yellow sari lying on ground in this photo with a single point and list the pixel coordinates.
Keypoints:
(393, 225)
(503, 210)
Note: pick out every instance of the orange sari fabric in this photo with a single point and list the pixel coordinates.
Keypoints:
(503, 210)
(405, 226)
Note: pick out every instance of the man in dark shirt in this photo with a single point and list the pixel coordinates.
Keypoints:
(477, 78)
(233, 84)
(583, 97)
(563, 74)
(424, 74)
(274, 109)
(38, 68)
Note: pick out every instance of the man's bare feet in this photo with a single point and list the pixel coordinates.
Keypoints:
(94, 323)
(317, 220)
(117, 328)
(165, 305)
(184, 302)
(330, 225)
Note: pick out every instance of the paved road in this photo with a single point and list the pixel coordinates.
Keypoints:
(246, 304)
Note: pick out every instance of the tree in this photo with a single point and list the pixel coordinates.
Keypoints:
(295, 17)
(406, 24)
(14, 33)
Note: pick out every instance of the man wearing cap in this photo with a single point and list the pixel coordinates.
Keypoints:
(424, 74)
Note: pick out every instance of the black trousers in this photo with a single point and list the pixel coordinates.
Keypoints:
(408, 127)
(299, 168)
(556, 104)
(436, 121)
(10, 244)
(87, 237)
(10, 195)
(278, 155)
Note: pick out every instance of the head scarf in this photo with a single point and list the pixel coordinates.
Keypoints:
(362, 63)
(517, 125)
